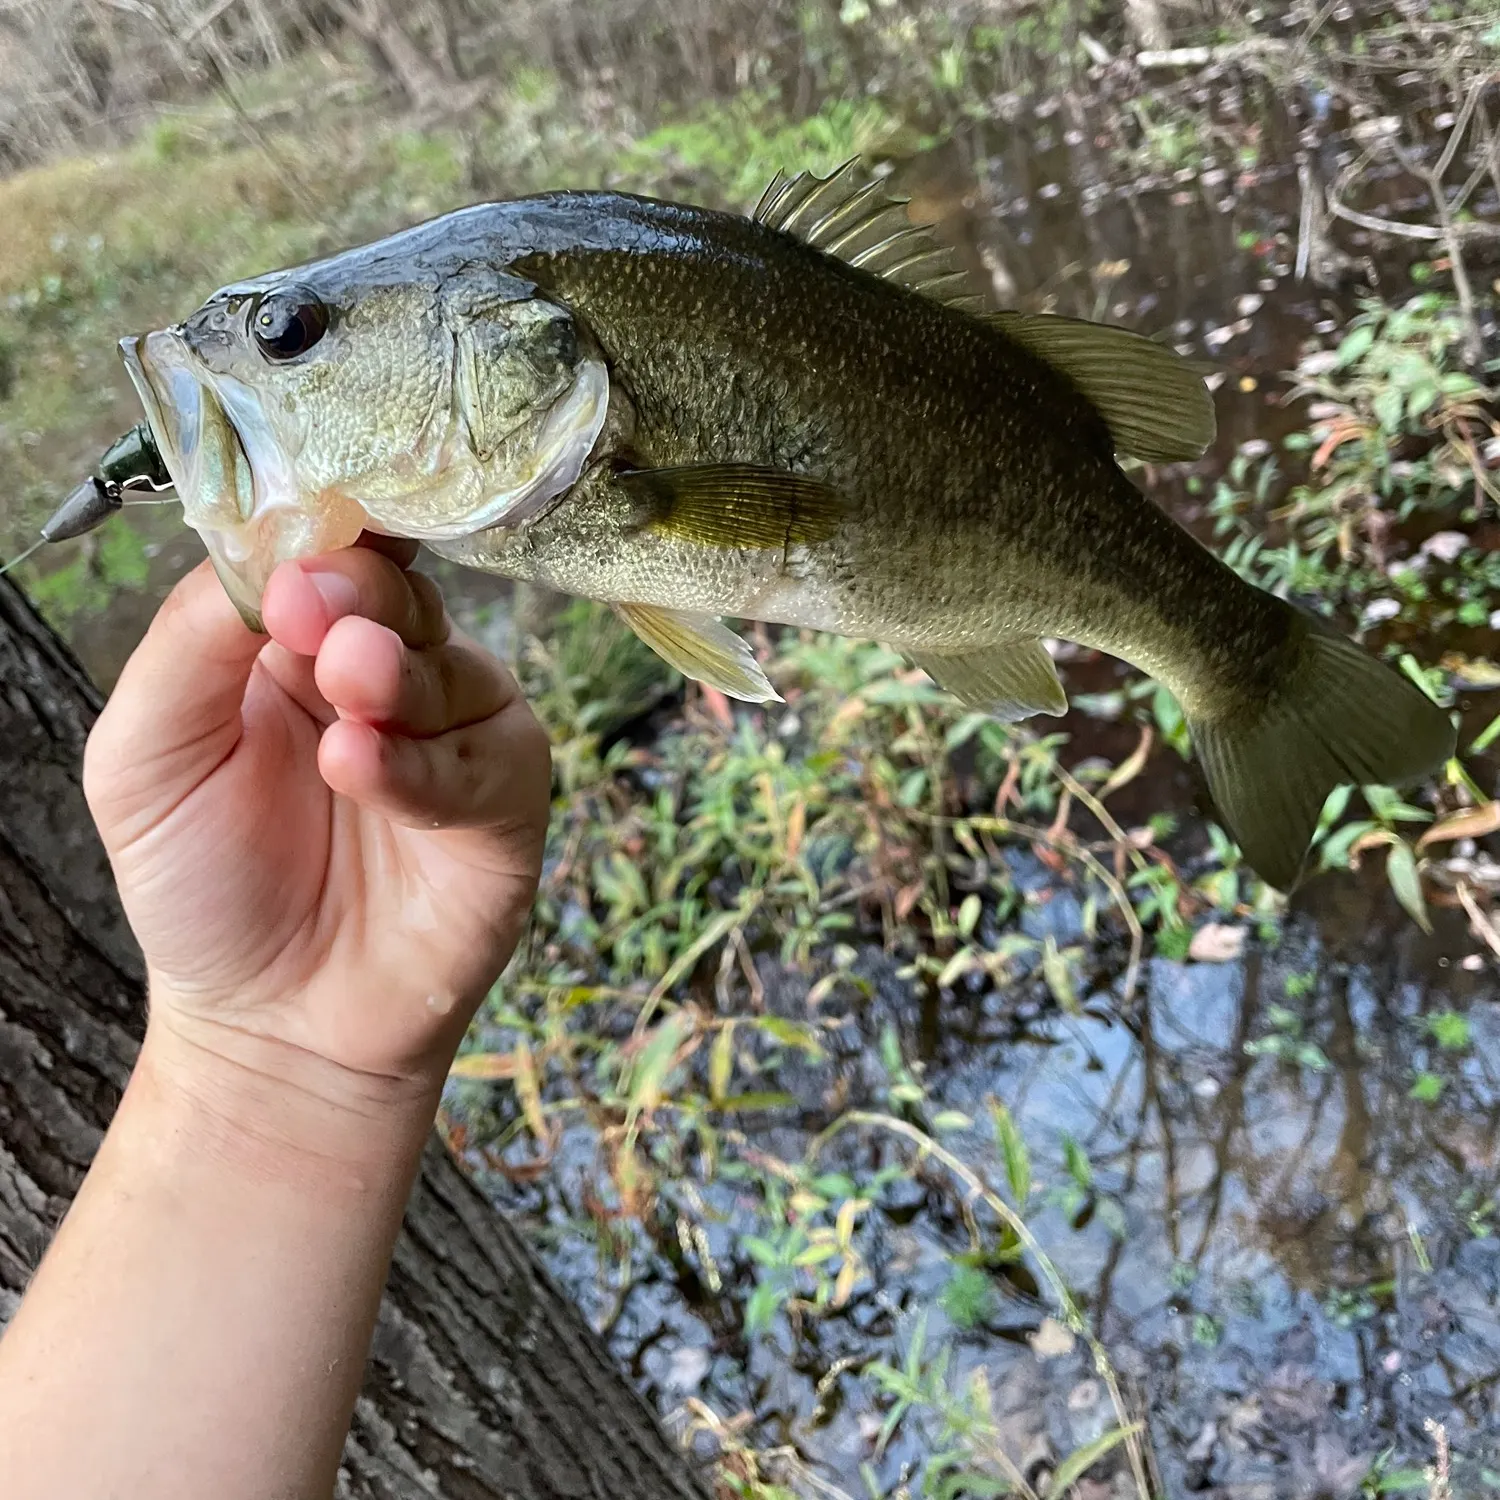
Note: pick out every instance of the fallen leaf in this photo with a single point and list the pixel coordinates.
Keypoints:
(1217, 943)
(1051, 1340)
(1476, 823)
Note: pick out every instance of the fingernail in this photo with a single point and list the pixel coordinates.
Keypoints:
(338, 594)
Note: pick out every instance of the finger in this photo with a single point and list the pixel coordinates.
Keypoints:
(175, 712)
(296, 676)
(304, 600)
(495, 775)
(365, 672)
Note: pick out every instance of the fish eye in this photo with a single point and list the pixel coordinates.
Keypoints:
(288, 323)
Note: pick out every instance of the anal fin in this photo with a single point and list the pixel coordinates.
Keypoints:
(702, 648)
(1012, 680)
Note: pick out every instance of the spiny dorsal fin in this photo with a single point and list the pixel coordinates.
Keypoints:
(854, 216)
(1154, 402)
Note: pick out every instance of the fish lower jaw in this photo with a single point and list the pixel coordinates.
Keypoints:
(246, 555)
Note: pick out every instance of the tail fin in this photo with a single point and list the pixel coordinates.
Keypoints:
(1342, 716)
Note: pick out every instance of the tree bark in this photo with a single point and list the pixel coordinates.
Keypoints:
(483, 1379)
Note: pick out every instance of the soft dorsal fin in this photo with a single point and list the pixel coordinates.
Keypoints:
(1154, 402)
(853, 215)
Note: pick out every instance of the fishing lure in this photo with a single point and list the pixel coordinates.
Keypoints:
(132, 464)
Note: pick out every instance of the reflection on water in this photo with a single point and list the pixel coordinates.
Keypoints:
(1293, 1262)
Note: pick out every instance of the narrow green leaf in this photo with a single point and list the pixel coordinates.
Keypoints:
(764, 1303)
(1058, 976)
(1401, 871)
(721, 1063)
(1401, 1482)
(968, 914)
(1081, 1460)
(1013, 1149)
(744, 1103)
(1486, 736)
(791, 1034)
(1079, 1167)
(655, 1062)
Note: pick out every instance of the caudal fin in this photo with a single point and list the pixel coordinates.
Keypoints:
(1341, 716)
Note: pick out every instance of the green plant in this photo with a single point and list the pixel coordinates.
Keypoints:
(1288, 1041)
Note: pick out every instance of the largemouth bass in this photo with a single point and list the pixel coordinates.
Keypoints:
(802, 417)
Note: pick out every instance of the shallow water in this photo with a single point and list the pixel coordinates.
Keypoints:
(1259, 1281)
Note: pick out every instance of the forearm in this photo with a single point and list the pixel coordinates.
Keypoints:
(200, 1325)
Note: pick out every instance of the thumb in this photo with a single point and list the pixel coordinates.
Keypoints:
(174, 715)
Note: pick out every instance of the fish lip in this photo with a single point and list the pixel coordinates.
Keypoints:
(171, 420)
(176, 425)
(165, 432)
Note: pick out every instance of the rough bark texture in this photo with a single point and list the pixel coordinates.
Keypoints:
(483, 1380)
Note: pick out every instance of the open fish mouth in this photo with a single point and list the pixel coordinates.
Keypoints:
(236, 482)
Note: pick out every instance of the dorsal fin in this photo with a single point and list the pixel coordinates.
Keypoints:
(1154, 402)
(854, 216)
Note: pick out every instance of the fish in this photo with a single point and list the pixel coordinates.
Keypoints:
(805, 416)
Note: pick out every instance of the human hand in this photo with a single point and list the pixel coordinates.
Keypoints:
(327, 843)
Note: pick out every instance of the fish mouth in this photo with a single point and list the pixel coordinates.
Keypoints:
(237, 483)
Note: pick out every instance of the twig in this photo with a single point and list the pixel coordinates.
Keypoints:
(1100, 811)
(1305, 219)
(1484, 929)
(1438, 1474)
(1199, 57)
(1473, 341)
(1461, 124)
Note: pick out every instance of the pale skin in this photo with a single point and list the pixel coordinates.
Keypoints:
(327, 843)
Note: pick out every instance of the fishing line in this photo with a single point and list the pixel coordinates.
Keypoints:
(16, 562)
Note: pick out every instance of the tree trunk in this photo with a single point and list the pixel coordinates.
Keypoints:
(483, 1380)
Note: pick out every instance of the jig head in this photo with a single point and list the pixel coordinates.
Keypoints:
(130, 465)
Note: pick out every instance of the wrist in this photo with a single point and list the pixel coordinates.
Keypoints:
(271, 1106)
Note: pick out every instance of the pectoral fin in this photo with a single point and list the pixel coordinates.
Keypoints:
(737, 505)
(701, 648)
(1012, 680)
